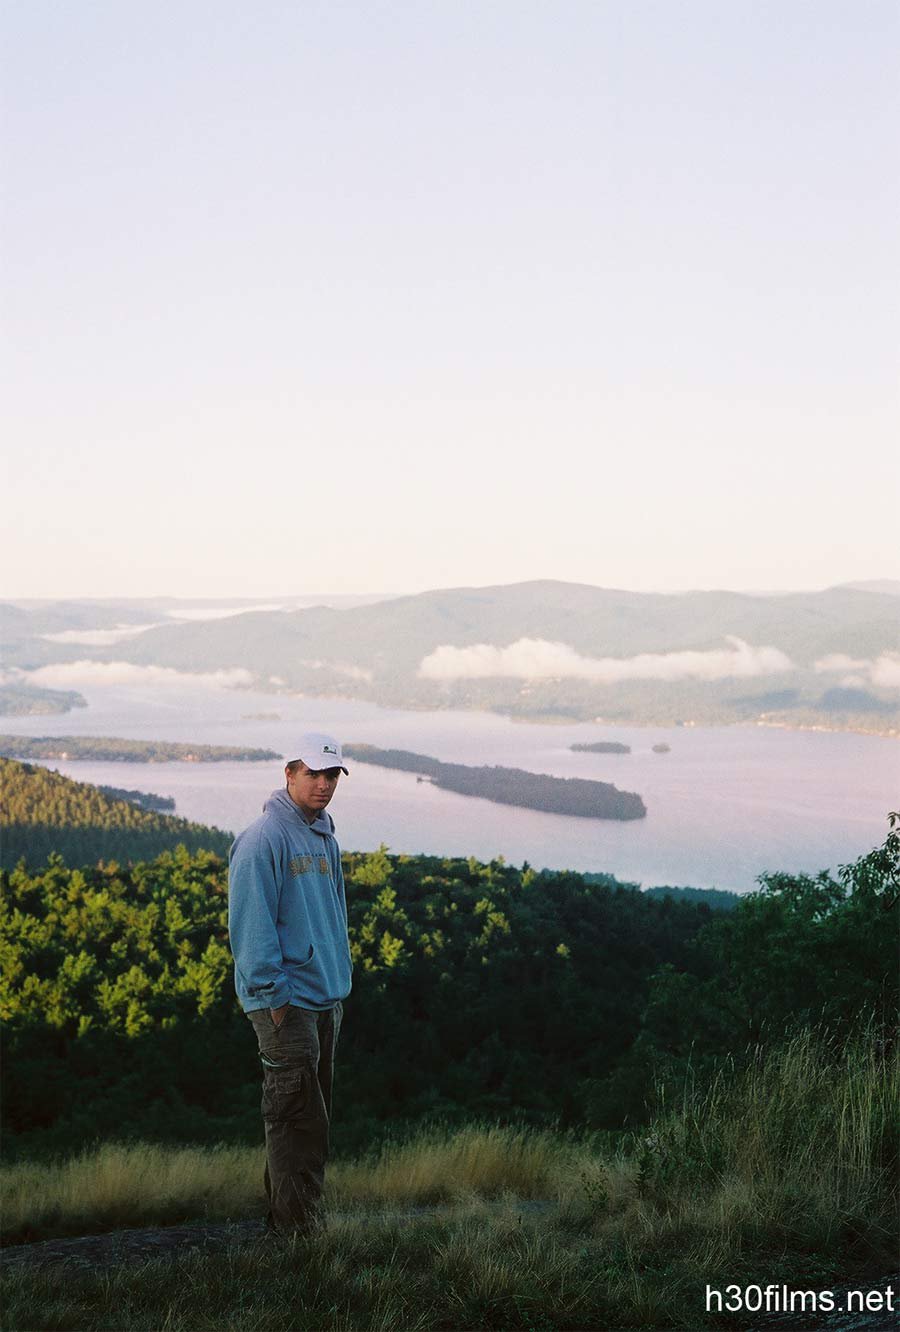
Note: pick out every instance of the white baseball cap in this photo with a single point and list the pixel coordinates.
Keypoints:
(319, 751)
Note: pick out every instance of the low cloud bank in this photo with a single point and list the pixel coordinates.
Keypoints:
(538, 659)
(337, 668)
(219, 612)
(99, 637)
(71, 674)
(12, 675)
(883, 671)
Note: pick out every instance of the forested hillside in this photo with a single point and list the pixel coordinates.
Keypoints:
(719, 899)
(479, 990)
(44, 812)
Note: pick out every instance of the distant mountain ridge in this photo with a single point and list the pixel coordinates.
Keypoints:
(376, 651)
(890, 586)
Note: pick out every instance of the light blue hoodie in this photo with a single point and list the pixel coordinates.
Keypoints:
(287, 911)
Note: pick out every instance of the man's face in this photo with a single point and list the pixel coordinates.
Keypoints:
(311, 790)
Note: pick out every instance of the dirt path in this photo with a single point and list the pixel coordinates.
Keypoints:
(130, 1246)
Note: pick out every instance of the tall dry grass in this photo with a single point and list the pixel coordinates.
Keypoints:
(804, 1141)
(480, 1161)
(118, 1185)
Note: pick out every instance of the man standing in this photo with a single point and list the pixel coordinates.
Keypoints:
(287, 918)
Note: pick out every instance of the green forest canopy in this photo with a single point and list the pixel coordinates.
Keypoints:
(479, 990)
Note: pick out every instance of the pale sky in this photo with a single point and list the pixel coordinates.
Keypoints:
(348, 296)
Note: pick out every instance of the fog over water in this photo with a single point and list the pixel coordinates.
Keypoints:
(726, 804)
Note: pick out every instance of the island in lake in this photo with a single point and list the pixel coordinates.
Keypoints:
(602, 747)
(511, 786)
(102, 749)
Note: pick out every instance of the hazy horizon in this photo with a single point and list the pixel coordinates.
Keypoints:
(289, 600)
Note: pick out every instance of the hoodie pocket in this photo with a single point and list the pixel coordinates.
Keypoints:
(306, 962)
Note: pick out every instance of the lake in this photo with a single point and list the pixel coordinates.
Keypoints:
(726, 804)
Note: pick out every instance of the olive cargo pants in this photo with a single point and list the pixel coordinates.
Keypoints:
(298, 1065)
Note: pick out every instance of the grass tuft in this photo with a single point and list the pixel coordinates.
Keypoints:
(119, 1185)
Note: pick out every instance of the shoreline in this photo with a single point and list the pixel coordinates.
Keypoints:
(516, 719)
(892, 734)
